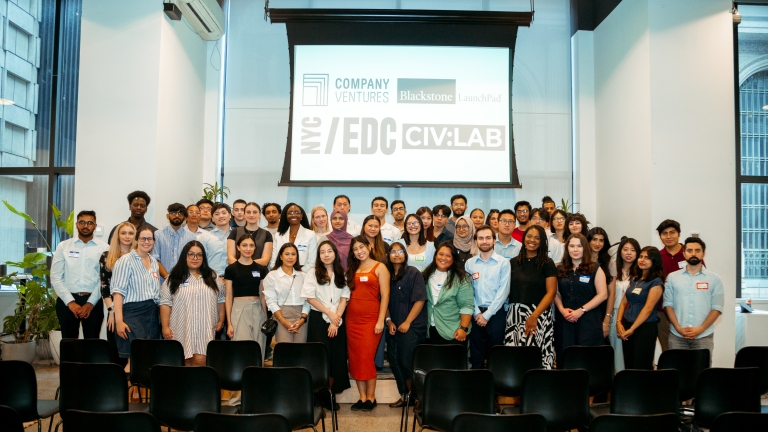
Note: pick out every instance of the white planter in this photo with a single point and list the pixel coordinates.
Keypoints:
(54, 338)
(23, 351)
(43, 349)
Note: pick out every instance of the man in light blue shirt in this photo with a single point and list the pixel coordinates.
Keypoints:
(490, 281)
(221, 216)
(505, 245)
(76, 280)
(693, 300)
(170, 240)
(215, 250)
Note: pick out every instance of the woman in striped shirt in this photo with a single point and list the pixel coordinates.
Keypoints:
(192, 303)
(135, 292)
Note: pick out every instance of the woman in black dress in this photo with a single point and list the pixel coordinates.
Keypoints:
(581, 289)
(533, 286)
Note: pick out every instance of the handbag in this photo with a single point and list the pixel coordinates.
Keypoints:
(269, 328)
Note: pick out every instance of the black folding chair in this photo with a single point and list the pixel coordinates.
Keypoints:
(86, 421)
(180, 393)
(740, 422)
(84, 351)
(146, 353)
(472, 422)
(19, 391)
(10, 420)
(634, 423)
(212, 422)
(509, 365)
(722, 390)
(598, 361)
(642, 392)
(755, 356)
(448, 393)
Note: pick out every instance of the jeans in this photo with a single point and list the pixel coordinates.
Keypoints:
(481, 339)
(708, 342)
(400, 347)
(70, 324)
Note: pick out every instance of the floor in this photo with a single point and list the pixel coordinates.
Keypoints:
(383, 418)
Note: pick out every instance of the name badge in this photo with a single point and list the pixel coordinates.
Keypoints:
(185, 284)
(702, 285)
(637, 291)
(256, 274)
(154, 275)
(387, 239)
(363, 278)
(302, 247)
(439, 286)
(74, 254)
(419, 258)
(681, 264)
(584, 279)
(475, 275)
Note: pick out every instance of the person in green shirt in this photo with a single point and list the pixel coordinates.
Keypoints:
(450, 300)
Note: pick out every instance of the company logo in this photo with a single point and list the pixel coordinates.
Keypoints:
(315, 90)
(426, 91)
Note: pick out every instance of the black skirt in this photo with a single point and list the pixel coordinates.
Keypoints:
(337, 349)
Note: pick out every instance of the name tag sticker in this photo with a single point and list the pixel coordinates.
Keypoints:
(419, 258)
(702, 285)
(154, 275)
(387, 239)
(681, 264)
(74, 254)
(256, 274)
(363, 278)
(185, 284)
(475, 275)
(302, 247)
(637, 291)
(439, 285)
(584, 279)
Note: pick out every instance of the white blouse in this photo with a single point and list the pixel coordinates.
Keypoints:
(281, 289)
(327, 294)
(421, 260)
(306, 243)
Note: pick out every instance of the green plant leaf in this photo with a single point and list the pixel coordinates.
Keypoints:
(16, 212)
(56, 211)
(36, 257)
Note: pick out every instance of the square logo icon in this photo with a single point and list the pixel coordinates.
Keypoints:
(315, 91)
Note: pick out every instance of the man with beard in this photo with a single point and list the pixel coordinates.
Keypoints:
(523, 215)
(138, 202)
(693, 300)
(170, 240)
(75, 278)
(458, 207)
(548, 204)
(272, 215)
(398, 214)
(490, 281)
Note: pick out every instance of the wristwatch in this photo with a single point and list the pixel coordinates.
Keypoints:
(583, 310)
(109, 309)
(466, 329)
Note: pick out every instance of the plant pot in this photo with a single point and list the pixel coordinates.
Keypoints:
(19, 351)
(54, 339)
(43, 349)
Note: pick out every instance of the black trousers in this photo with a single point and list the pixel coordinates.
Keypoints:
(481, 339)
(640, 347)
(70, 324)
(435, 339)
(400, 347)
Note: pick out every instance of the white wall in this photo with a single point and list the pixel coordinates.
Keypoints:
(141, 109)
(664, 131)
(257, 101)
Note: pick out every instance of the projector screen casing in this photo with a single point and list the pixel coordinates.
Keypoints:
(315, 31)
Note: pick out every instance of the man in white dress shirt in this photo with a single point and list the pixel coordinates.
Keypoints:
(215, 250)
(389, 232)
(341, 202)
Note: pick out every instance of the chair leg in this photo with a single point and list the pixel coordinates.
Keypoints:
(323, 423)
(57, 424)
(58, 390)
(334, 425)
(404, 414)
(50, 423)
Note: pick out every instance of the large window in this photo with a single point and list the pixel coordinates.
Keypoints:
(39, 45)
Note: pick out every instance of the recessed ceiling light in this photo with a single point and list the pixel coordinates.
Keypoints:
(10, 102)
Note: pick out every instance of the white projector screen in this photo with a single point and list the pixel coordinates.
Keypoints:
(400, 114)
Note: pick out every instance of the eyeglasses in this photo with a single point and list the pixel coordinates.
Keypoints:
(412, 224)
(522, 212)
(397, 252)
(193, 212)
(459, 205)
(559, 219)
(86, 223)
(537, 219)
(146, 239)
(205, 207)
(462, 227)
(398, 208)
(506, 221)
(176, 213)
(191, 255)
(294, 212)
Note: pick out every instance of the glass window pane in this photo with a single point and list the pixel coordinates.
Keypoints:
(28, 194)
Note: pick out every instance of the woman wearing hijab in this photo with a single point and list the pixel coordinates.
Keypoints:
(464, 239)
(339, 236)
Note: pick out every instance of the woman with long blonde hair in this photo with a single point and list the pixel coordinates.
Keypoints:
(121, 244)
(318, 222)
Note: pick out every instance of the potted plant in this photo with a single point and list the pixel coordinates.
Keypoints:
(215, 193)
(35, 313)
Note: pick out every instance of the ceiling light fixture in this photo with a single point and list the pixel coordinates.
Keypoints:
(6, 102)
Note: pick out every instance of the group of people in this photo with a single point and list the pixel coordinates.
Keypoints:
(522, 277)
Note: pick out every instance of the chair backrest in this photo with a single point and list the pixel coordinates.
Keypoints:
(722, 390)
(86, 421)
(448, 393)
(689, 364)
(284, 391)
(596, 360)
(180, 393)
(473, 422)
(213, 422)
(10, 420)
(19, 389)
(740, 422)
(146, 353)
(95, 387)
(509, 365)
(634, 423)
(230, 358)
(427, 357)
(755, 356)
(645, 392)
(85, 351)
(561, 396)
(312, 356)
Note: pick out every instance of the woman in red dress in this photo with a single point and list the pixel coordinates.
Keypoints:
(368, 281)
